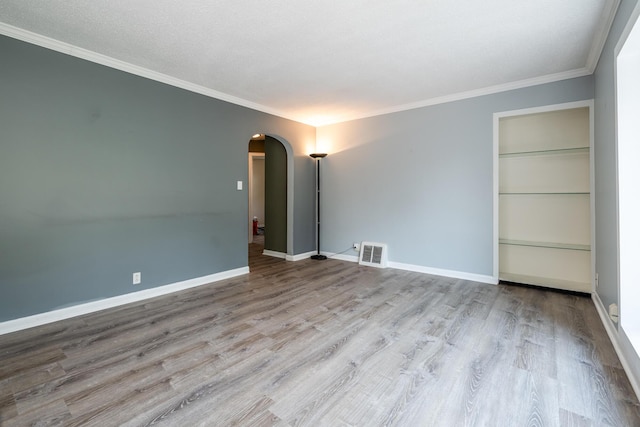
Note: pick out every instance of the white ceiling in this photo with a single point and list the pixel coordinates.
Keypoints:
(325, 61)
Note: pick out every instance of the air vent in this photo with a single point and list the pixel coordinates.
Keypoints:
(373, 254)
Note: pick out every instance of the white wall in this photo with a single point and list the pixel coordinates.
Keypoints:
(627, 95)
(628, 106)
(257, 190)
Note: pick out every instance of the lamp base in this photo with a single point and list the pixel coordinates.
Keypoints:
(319, 257)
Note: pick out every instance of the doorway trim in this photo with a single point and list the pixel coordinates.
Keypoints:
(290, 192)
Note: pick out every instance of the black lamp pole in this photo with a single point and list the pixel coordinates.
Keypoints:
(318, 156)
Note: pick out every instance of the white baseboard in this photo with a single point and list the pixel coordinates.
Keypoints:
(445, 273)
(421, 269)
(627, 355)
(300, 257)
(342, 257)
(274, 254)
(93, 306)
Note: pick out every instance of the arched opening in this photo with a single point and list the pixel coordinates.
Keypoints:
(270, 207)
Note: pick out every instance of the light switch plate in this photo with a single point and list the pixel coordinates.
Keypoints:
(239, 185)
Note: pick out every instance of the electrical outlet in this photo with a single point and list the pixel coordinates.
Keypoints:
(613, 312)
(596, 280)
(137, 278)
(356, 246)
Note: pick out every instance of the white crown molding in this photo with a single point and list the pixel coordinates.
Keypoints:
(66, 48)
(78, 52)
(103, 304)
(601, 36)
(549, 78)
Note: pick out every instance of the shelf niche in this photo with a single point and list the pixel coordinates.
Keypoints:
(545, 200)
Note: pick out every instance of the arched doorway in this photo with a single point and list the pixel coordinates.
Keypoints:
(270, 196)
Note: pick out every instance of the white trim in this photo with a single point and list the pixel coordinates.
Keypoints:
(445, 273)
(608, 324)
(422, 269)
(628, 359)
(496, 174)
(274, 254)
(66, 48)
(300, 257)
(546, 108)
(343, 257)
(93, 306)
(600, 37)
(549, 78)
(98, 58)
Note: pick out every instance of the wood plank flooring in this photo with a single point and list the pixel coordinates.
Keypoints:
(323, 343)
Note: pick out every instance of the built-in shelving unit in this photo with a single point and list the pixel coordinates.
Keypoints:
(545, 199)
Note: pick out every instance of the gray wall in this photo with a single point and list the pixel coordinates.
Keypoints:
(422, 180)
(605, 162)
(275, 194)
(103, 174)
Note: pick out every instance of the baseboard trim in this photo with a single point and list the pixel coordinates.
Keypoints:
(274, 254)
(282, 255)
(300, 257)
(617, 339)
(93, 306)
(421, 269)
(342, 257)
(445, 273)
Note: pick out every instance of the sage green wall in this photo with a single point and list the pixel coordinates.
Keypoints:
(275, 195)
(103, 173)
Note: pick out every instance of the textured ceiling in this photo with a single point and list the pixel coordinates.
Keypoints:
(326, 61)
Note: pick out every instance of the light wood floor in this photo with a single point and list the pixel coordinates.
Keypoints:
(323, 343)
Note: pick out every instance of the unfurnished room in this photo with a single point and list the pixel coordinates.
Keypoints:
(410, 213)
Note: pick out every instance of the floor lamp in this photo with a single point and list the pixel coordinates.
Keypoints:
(318, 156)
